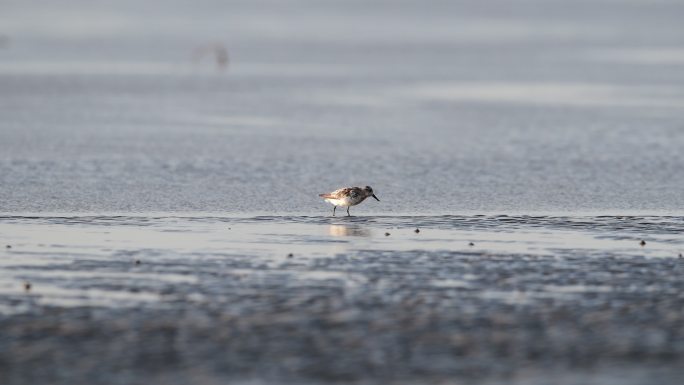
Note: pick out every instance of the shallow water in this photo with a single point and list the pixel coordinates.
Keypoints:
(209, 299)
(498, 107)
(546, 133)
(90, 260)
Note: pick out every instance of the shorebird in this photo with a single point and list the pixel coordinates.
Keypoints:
(348, 196)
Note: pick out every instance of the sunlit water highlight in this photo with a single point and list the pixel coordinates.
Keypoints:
(91, 260)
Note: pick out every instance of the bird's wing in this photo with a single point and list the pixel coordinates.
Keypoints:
(355, 192)
(337, 194)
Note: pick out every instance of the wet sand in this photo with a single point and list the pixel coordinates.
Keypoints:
(209, 299)
(494, 107)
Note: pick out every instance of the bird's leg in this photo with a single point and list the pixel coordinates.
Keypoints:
(349, 215)
(334, 208)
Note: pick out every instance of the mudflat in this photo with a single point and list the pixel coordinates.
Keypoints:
(489, 299)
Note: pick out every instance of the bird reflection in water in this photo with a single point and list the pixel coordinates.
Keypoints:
(348, 231)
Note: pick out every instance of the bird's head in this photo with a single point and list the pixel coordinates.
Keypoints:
(369, 192)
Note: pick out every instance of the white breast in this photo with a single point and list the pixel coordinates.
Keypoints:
(347, 201)
(340, 202)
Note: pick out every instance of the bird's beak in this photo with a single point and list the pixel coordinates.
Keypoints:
(376, 198)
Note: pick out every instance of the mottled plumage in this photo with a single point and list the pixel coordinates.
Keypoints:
(348, 196)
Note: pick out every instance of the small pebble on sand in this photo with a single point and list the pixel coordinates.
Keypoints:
(416, 231)
(643, 243)
(387, 234)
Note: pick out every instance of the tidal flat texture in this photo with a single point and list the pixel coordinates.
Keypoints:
(314, 300)
(456, 105)
(141, 141)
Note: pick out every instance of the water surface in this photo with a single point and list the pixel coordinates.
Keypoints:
(101, 260)
(162, 201)
(442, 108)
